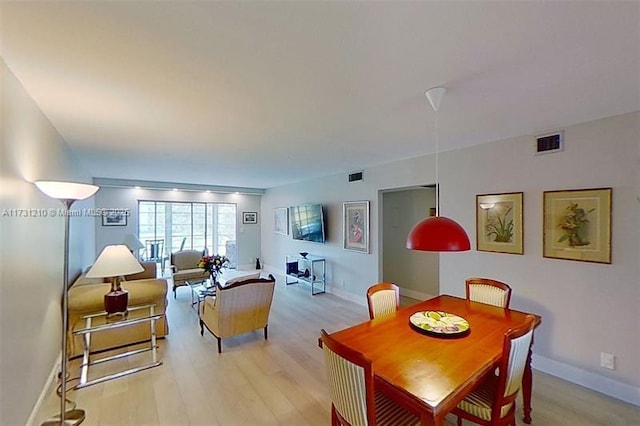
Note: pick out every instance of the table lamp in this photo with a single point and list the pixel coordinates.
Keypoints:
(67, 193)
(114, 262)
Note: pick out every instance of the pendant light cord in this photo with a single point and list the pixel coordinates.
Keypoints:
(437, 177)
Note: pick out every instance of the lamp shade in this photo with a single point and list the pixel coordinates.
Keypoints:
(114, 261)
(66, 190)
(438, 234)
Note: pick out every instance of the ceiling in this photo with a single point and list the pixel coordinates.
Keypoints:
(261, 94)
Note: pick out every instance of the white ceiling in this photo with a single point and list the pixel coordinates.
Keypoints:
(260, 94)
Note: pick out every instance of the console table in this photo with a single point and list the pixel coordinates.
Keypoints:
(310, 269)
(86, 339)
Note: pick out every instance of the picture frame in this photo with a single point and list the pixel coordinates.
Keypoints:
(114, 217)
(499, 223)
(250, 218)
(577, 225)
(281, 221)
(355, 215)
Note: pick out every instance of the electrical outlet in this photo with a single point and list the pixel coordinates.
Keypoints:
(607, 360)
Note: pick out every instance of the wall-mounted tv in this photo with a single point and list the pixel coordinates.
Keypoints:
(307, 222)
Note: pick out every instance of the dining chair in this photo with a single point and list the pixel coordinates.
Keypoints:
(155, 252)
(354, 400)
(493, 401)
(486, 290)
(382, 299)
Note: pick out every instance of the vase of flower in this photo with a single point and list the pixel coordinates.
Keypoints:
(214, 265)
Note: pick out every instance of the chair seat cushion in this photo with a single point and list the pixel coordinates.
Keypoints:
(480, 400)
(390, 413)
(189, 274)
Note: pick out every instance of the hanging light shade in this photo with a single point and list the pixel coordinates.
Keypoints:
(438, 233)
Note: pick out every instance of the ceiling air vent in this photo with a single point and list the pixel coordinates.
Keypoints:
(550, 142)
(355, 176)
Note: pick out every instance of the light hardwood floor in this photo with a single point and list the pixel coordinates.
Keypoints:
(276, 382)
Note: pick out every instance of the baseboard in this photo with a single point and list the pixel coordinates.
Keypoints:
(338, 291)
(52, 381)
(415, 294)
(587, 379)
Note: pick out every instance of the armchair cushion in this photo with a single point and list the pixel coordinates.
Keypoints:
(184, 266)
(149, 272)
(86, 296)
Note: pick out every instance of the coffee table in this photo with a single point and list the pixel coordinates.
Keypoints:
(199, 290)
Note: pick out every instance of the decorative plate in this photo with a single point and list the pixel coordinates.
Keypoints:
(439, 323)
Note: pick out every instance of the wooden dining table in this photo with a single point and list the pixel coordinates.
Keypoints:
(428, 374)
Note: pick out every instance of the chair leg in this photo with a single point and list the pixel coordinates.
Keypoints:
(219, 345)
(201, 328)
(459, 420)
(174, 291)
(265, 332)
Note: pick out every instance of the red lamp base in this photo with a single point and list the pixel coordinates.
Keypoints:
(116, 301)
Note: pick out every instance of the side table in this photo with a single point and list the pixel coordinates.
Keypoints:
(199, 290)
(86, 340)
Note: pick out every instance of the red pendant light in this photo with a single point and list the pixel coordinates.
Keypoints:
(438, 233)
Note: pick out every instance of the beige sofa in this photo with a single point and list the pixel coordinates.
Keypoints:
(86, 296)
(237, 307)
(184, 267)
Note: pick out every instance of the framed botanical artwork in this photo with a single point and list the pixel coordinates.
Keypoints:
(356, 226)
(281, 221)
(499, 223)
(114, 217)
(577, 225)
(250, 217)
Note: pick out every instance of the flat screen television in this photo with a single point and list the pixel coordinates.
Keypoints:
(307, 222)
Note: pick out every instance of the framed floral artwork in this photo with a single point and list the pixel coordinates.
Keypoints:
(281, 221)
(577, 225)
(356, 226)
(499, 223)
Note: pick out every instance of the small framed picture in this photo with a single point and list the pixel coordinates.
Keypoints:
(577, 225)
(499, 223)
(250, 217)
(114, 217)
(356, 226)
(281, 221)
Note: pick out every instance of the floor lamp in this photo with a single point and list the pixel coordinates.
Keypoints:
(67, 193)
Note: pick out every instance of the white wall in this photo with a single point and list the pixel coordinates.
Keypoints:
(586, 308)
(348, 273)
(248, 235)
(31, 249)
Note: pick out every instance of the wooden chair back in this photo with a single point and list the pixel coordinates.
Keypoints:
(486, 290)
(493, 402)
(382, 299)
(350, 379)
(515, 350)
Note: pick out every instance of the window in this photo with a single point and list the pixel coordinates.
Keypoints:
(210, 227)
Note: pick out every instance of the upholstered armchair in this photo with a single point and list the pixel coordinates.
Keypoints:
(238, 307)
(184, 268)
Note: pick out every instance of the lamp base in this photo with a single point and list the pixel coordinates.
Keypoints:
(115, 302)
(71, 418)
